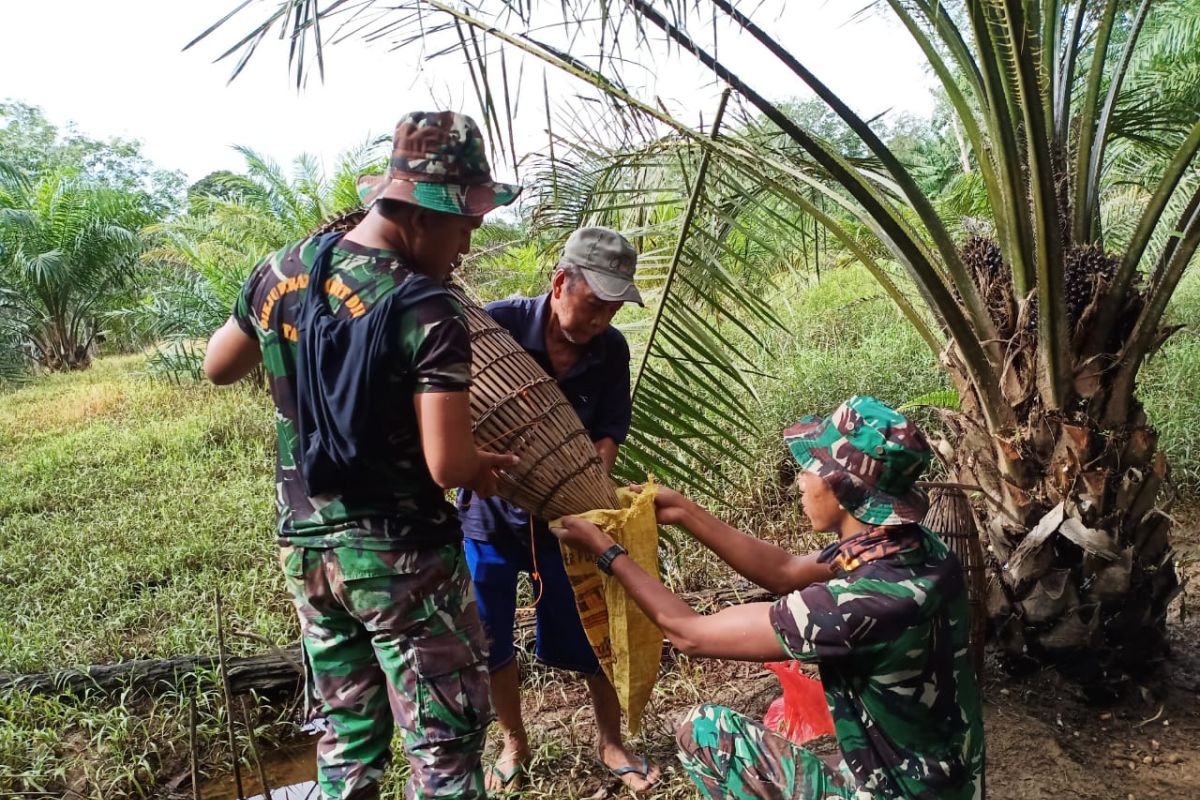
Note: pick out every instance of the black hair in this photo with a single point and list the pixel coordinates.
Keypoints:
(393, 209)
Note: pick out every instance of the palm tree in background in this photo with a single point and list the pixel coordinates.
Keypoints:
(69, 249)
(1079, 124)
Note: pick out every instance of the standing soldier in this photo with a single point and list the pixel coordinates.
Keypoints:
(371, 551)
(568, 331)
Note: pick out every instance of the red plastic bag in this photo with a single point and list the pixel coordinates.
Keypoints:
(802, 713)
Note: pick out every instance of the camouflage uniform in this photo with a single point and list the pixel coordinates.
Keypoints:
(402, 506)
(389, 625)
(727, 754)
(888, 634)
(394, 634)
(377, 573)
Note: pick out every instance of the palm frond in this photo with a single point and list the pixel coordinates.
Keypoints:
(201, 259)
(68, 250)
(1049, 97)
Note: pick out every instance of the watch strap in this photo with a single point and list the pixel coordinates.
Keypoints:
(604, 562)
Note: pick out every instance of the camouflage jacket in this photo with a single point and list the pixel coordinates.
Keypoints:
(889, 635)
(402, 508)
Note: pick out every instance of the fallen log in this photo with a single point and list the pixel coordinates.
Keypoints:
(276, 671)
(262, 673)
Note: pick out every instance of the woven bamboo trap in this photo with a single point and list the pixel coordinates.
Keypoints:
(950, 517)
(517, 408)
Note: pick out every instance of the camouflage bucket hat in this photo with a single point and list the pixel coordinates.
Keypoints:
(438, 162)
(870, 455)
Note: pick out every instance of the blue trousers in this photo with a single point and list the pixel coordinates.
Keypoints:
(561, 641)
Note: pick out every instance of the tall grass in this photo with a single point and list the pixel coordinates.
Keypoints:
(124, 503)
(1169, 388)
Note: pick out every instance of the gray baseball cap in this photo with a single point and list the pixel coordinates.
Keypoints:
(607, 261)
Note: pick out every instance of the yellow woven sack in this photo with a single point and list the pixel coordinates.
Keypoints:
(627, 644)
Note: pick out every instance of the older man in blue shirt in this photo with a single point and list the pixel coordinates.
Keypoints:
(568, 331)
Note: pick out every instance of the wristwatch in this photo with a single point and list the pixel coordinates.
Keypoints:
(605, 561)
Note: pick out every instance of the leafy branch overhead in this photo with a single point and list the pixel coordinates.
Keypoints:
(1040, 277)
(1026, 91)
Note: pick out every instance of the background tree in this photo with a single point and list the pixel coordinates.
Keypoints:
(1047, 316)
(68, 249)
(71, 212)
(200, 259)
(220, 184)
(34, 146)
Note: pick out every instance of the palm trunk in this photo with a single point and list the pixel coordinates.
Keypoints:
(1076, 526)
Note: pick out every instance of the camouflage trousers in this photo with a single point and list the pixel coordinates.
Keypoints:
(728, 755)
(393, 639)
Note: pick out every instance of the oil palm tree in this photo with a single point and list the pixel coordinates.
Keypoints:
(1042, 321)
(68, 250)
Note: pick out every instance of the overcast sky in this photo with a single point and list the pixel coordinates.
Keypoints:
(116, 67)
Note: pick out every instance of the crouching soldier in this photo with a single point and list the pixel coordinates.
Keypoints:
(881, 612)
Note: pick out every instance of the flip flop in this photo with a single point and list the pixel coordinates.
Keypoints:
(514, 775)
(629, 769)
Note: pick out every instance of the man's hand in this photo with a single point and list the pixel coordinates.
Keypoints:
(670, 506)
(606, 449)
(583, 535)
(483, 483)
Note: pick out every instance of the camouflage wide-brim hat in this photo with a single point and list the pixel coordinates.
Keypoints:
(870, 455)
(438, 162)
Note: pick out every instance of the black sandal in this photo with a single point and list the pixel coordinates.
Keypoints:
(630, 769)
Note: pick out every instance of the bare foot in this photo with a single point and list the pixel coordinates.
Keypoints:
(508, 773)
(636, 772)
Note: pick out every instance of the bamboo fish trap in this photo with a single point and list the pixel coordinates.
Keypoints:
(517, 408)
(950, 517)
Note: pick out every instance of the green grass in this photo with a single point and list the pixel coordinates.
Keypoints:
(124, 746)
(125, 503)
(1169, 387)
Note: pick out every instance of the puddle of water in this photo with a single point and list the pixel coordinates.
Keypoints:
(291, 772)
